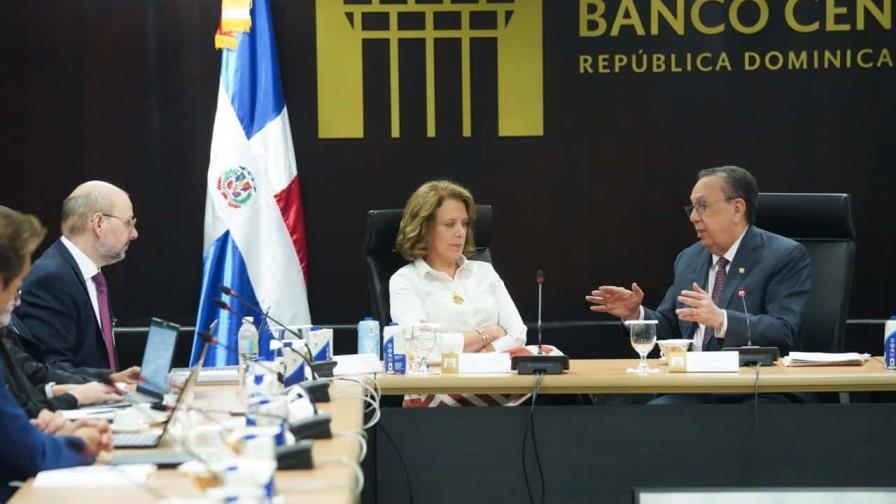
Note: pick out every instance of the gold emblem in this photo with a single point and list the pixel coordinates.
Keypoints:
(457, 298)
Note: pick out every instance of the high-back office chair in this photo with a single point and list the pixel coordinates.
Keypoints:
(823, 223)
(381, 260)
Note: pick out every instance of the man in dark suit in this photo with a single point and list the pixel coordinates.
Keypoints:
(65, 299)
(732, 255)
(27, 450)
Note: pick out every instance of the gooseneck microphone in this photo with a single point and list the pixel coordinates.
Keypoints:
(318, 368)
(211, 340)
(742, 293)
(539, 279)
(750, 355)
(539, 363)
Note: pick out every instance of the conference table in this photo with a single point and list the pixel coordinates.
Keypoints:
(601, 453)
(609, 376)
(332, 480)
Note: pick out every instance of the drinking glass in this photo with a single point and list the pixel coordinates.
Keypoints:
(424, 337)
(643, 338)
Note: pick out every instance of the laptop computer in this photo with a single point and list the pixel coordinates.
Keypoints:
(157, 357)
(149, 439)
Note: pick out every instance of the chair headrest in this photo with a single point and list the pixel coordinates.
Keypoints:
(382, 227)
(806, 215)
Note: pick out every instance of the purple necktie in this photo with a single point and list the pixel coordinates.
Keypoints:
(721, 276)
(102, 299)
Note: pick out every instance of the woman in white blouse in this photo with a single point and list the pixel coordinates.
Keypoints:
(467, 298)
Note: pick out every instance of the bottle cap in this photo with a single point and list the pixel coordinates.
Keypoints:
(393, 323)
(249, 320)
(368, 317)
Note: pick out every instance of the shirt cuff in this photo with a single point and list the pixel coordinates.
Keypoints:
(721, 333)
(452, 343)
(48, 389)
(504, 343)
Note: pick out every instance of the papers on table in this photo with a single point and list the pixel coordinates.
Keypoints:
(101, 411)
(356, 364)
(95, 476)
(487, 362)
(825, 359)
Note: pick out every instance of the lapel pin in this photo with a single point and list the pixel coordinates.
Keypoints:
(741, 270)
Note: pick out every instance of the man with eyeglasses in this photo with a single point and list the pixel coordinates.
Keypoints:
(732, 254)
(65, 299)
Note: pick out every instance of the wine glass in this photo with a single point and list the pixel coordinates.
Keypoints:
(424, 337)
(643, 338)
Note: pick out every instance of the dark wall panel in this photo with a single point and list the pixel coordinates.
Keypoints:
(126, 92)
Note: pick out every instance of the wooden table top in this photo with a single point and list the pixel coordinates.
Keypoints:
(610, 376)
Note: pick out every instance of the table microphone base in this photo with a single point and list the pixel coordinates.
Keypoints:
(756, 356)
(532, 364)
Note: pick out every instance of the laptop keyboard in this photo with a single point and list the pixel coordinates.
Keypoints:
(135, 439)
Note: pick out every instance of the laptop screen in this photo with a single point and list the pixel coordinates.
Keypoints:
(157, 357)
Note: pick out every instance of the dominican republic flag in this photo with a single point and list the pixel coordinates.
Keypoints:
(254, 223)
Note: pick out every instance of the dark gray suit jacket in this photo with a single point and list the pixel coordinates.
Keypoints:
(773, 270)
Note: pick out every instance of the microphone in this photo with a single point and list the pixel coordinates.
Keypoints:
(539, 363)
(742, 293)
(750, 355)
(539, 279)
(211, 340)
(318, 369)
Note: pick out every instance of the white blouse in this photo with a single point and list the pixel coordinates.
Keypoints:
(419, 293)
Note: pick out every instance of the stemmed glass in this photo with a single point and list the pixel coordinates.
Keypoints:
(424, 337)
(643, 338)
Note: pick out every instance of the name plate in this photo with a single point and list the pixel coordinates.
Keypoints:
(704, 362)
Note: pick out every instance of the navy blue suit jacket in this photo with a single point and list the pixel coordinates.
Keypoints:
(57, 311)
(773, 270)
(26, 450)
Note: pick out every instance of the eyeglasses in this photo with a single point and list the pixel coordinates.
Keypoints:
(130, 223)
(702, 206)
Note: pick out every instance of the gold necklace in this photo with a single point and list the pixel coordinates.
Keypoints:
(455, 297)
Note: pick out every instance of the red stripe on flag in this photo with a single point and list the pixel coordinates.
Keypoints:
(290, 202)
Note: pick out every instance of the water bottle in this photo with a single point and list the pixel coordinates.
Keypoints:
(369, 337)
(247, 345)
(394, 352)
(890, 343)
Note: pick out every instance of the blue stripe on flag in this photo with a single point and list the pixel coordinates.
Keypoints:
(251, 74)
(223, 264)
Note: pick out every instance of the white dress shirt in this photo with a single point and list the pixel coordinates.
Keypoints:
(419, 293)
(88, 270)
(697, 345)
(710, 284)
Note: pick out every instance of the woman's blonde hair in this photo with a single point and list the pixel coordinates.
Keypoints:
(412, 241)
(20, 234)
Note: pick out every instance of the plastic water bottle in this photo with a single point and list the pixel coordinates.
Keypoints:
(394, 352)
(247, 345)
(890, 343)
(369, 337)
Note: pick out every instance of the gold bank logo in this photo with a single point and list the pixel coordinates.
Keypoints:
(344, 25)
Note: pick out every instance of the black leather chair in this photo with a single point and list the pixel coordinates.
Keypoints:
(381, 260)
(823, 223)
